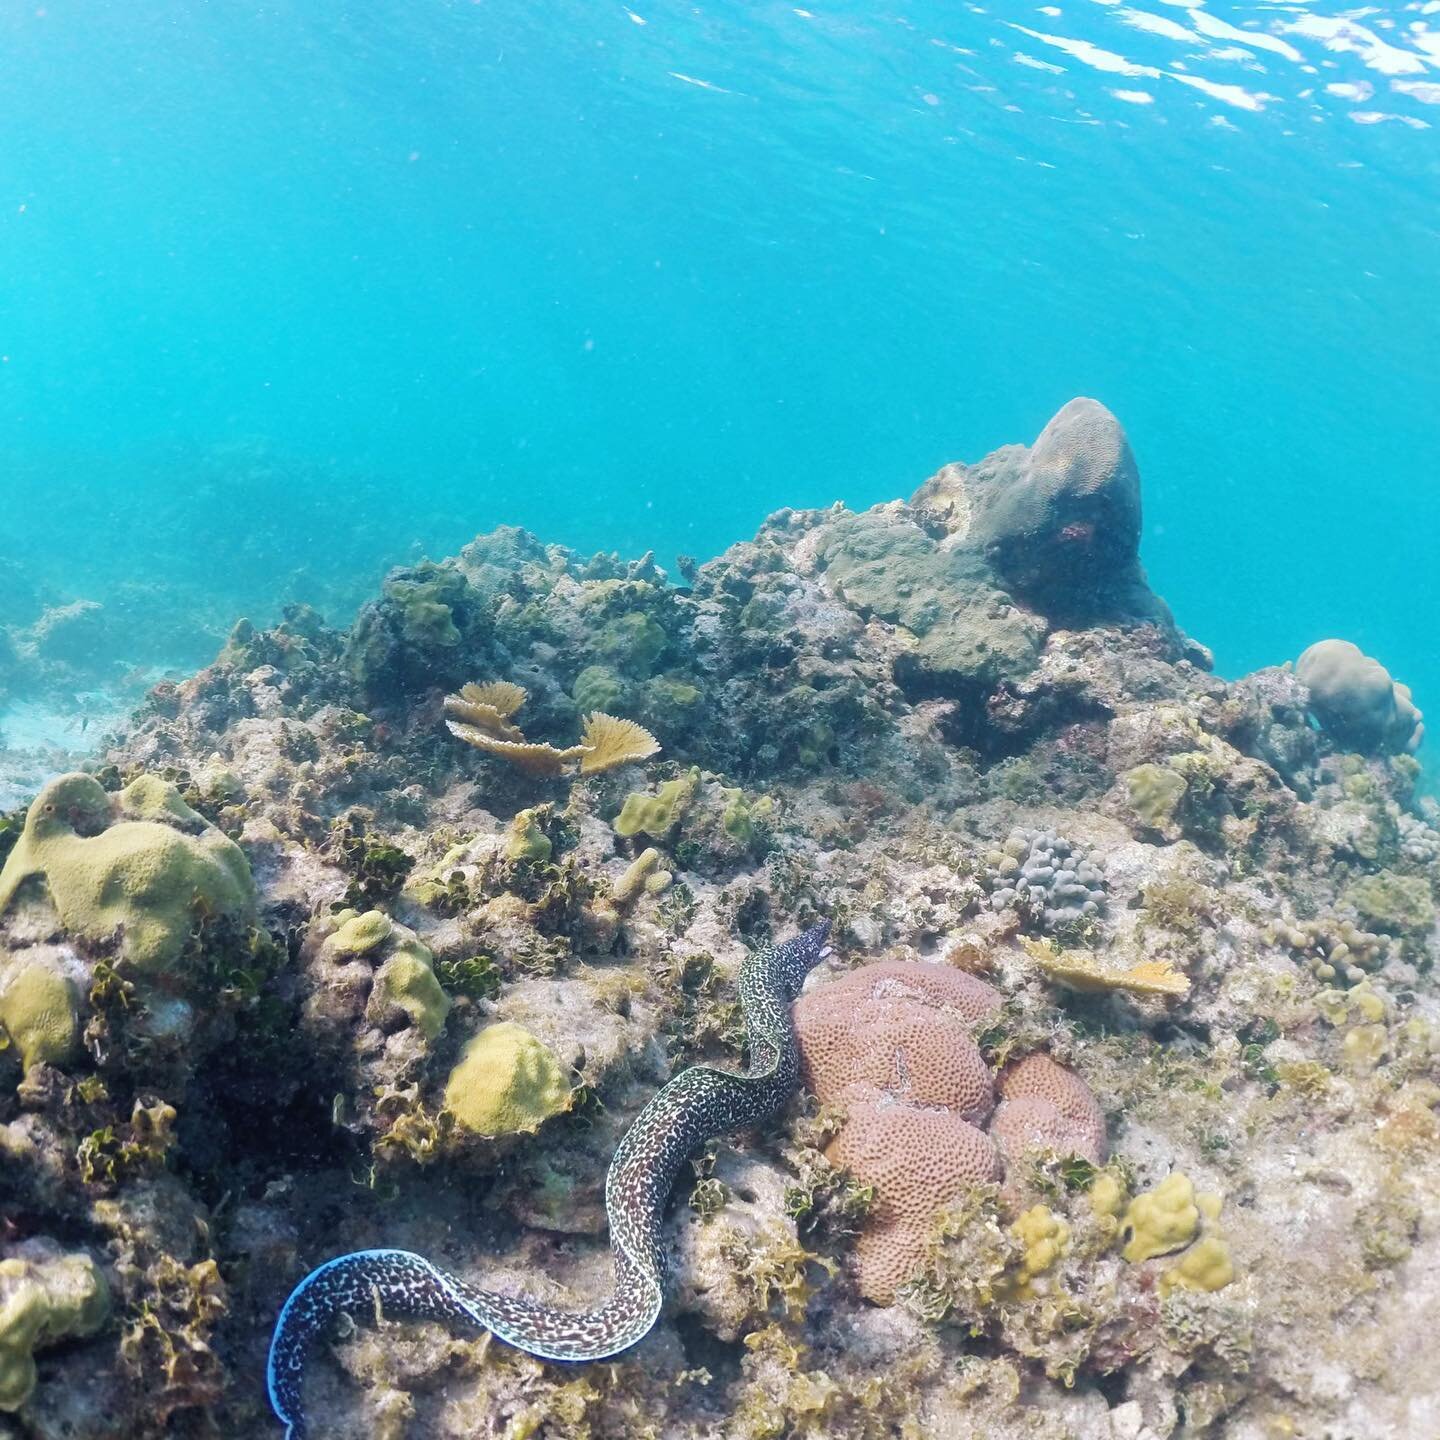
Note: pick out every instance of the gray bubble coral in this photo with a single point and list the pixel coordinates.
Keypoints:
(1353, 698)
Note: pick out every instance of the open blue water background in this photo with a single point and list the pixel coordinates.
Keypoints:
(292, 290)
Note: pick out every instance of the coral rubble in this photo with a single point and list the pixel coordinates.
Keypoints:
(1122, 1114)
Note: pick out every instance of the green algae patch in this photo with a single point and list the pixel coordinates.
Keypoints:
(43, 1301)
(38, 1014)
(507, 1083)
(144, 882)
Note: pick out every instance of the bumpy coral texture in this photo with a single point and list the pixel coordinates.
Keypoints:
(901, 1030)
(917, 1161)
(1044, 1106)
(45, 1297)
(1048, 878)
(891, 1046)
(1354, 698)
(144, 866)
(507, 1083)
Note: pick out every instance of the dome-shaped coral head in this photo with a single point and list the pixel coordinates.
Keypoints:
(1044, 1106)
(901, 1029)
(918, 1161)
(1072, 501)
(1354, 699)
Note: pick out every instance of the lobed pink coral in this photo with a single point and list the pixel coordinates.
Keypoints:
(891, 1045)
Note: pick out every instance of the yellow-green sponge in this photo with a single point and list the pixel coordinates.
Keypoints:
(506, 1083)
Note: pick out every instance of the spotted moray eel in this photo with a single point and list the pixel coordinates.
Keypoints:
(701, 1102)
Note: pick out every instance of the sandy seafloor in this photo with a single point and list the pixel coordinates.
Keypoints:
(963, 729)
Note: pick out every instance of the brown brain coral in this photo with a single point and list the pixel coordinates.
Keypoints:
(899, 1029)
(918, 1161)
(892, 1046)
(1044, 1106)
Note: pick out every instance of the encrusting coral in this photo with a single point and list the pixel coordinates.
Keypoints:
(506, 1083)
(38, 1012)
(46, 1296)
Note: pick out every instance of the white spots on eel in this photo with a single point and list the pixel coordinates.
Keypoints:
(697, 1104)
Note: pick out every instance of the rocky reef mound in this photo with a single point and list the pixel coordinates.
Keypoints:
(1135, 1132)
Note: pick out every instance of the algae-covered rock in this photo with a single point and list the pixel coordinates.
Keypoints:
(507, 1083)
(967, 630)
(142, 883)
(1397, 903)
(1155, 793)
(38, 1012)
(1058, 521)
(45, 1296)
(631, 642)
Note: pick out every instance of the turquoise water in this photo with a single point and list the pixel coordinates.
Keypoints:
(292, 291)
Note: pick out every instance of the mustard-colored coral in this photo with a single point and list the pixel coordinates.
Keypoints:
(480, 716)
(1046, 1238)
(359, 934)
(657, 814)
(1084, 970)
(407, 982)
(146, 881)
(525, 840)
(609, 742)
(38, 1013)
(644, 874)
(44, 1298)
(1205, 1266)
(1161, 1220)
(405, 977)
(507, 1083)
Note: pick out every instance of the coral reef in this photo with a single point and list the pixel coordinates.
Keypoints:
(890, 1046)
(292, 972)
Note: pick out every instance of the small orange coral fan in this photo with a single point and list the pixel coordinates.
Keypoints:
(480, 716)
(609, 742)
